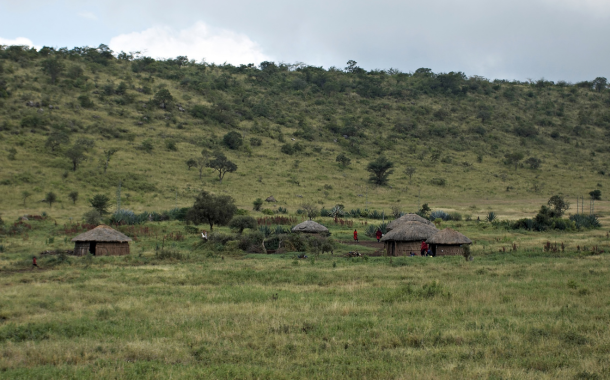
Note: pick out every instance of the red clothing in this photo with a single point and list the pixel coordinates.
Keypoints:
(378, 234)
(34, 261)
(355, 235)
(424, 246)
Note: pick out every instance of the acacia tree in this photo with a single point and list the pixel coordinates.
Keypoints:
(107, 156)
(241, 222)
(100, 203)
(56, 139)
(53, 67)
(50, 198)
(310, 210)
(25, 195)
(222, 165)
(73, 196)
(380, 170)
(558, 204)
(76, 155)
(410, 170)
(212, 209)
(163, 97)
(513, 159)
(343, 160)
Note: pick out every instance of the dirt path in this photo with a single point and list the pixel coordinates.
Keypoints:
(371, 244)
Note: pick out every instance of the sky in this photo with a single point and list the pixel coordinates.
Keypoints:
(517, 39)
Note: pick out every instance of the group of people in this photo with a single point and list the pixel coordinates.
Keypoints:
(378, 235)
(426, 250)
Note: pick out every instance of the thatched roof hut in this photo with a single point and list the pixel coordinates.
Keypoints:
(407, 218)
(448, 242)
(101, 241)
(406, 238)
(311, 227)
(270, 199)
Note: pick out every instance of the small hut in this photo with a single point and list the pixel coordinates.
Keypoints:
(407, 218)
(407, 238)
(270, 199)
(101, 241)
(310, 227)
(448, 242)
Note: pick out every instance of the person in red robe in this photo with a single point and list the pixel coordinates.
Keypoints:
(378, 235)
(355, 236)
(424, 248)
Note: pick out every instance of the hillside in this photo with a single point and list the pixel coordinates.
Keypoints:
(472, 141)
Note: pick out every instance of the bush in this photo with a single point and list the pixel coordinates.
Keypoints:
(257, 204)
(240, 223)
(92, 217)
(255, 141)
(438, 181)
(287, 149)
(268, 211)
(439, 214)
(233, 140)
(128, 217)
(371, 230)
(585, 221)
(596, 195)
(171, 145)
(456, 216)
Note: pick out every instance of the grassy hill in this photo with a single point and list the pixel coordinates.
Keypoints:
(456, 131)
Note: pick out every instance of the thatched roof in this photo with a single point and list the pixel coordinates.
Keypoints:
(102, 233)
(408, 218)
(449, 237)
(410, 231)
(310, 226)
(270, 199)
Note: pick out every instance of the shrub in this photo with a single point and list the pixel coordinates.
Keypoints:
(92, 217)
(438, 181)
(371, 230)
(491, 217)
(171, 145)
(585, 221)
(439, 214)
(455, 216)
(240, 223)
(596, 195)
(128, 217)
(257, 204)
(233, 140)
(287, 149)
(267, 211)
(255, 141)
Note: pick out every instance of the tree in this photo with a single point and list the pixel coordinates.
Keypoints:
(25, 195)
(53, 67)
(258, 203)
(56, 139)
(343, 160)
(50, 198)
(233, 140)
(380, 170)
(596, 195)
(73, 196)
(100, 203)
(222, 165)
(163, 97)
(212, 209)
(310, 210)
(600, 84)
(241, 222)
(558, 205)
(76, 155)
(534, 162)
(191, 163)
(107, 156)
(410, 170)
(513, 159)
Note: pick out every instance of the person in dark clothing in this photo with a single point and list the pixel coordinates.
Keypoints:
(378, 235)
(424, 248)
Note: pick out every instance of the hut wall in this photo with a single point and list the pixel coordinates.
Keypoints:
(448, 250)
(111, 249)
(81, 248)
(403, 248)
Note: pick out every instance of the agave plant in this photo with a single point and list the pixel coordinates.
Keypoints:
(491, 216)
(337, 212)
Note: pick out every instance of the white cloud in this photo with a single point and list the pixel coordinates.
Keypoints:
(88, 15)
(197, 42)
(17, 41)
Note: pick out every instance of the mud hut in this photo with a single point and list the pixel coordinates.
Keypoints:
(101, 241)
(270, 199)
(408, 218)
(310, 227)
(448, 242)
(406, 238)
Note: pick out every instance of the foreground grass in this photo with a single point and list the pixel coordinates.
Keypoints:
(513, 315)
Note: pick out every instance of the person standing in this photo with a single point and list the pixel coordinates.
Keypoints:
(34, 265)
(356, 236)
(424, 248)
(378, 235)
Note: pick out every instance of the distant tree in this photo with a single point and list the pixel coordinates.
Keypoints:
(596, 195)
(163, 98)
(73, 196)
(53, 67)
(76, 155)
(222, 165)
(107, 156)
(600, 84)
(310, 210)
(233, 140)
(380, 170)
(484, 114)
(533, 162)
(92, 217)
(513, 159)
(191, 163)
(121, 89)
(56, 139)
(100, 203)
(558, 205)
(212, 209)
(410, 170)
(343, 160)
(50, 198)
(241, 222)
(25, 195)
(258, 203)
(424, 211)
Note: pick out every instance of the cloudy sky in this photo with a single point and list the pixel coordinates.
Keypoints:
(517, 39)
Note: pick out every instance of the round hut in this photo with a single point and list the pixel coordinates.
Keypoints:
(448, 242)
(310, 227)
(101, 241)
(407, 218)
(270, 199)
(406, 238)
